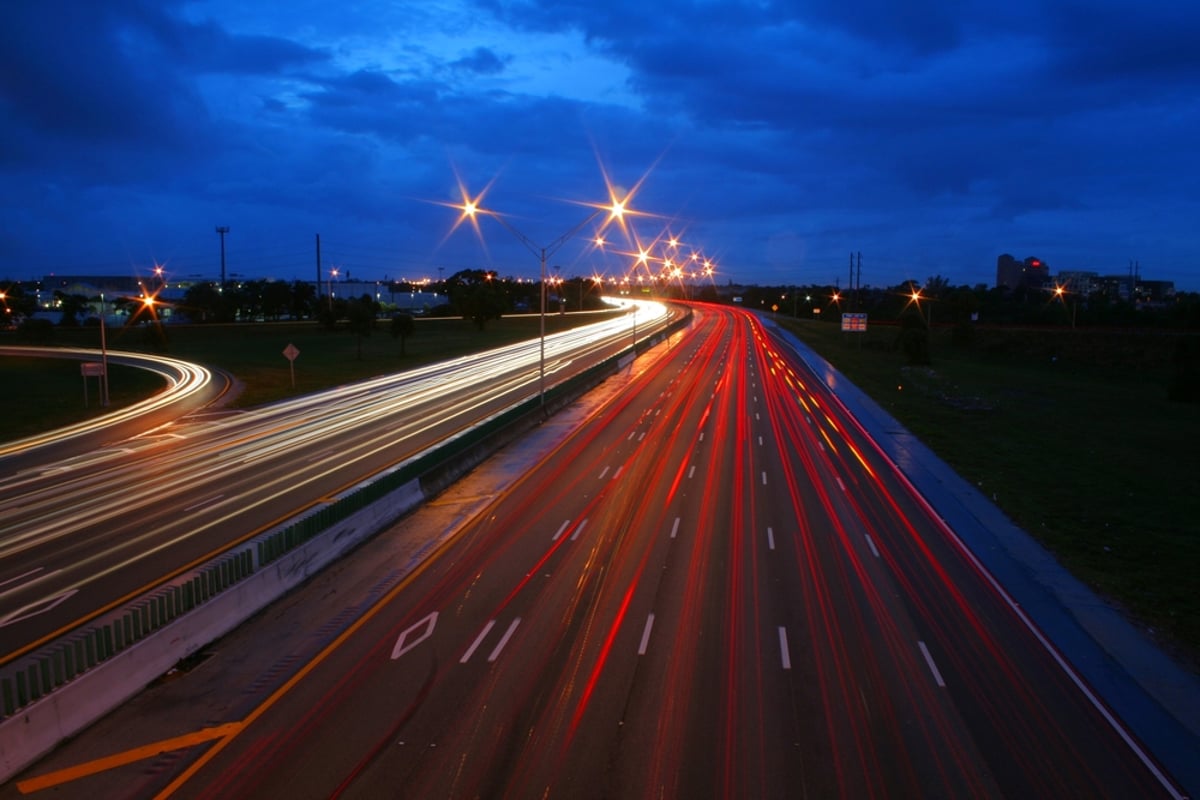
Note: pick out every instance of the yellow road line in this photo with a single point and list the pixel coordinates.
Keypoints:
(52, 779)
(304, 671)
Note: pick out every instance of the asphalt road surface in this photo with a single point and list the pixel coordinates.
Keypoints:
(80, 535)
(715, 587)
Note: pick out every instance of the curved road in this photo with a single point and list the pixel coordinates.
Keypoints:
(80, 536)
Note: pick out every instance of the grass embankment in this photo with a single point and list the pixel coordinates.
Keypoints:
(1092, 460)
(42, 394)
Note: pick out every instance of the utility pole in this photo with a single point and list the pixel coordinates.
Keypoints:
(222, 230)
(858, 281)
(850, 283)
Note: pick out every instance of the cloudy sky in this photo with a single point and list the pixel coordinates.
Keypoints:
(775, 138)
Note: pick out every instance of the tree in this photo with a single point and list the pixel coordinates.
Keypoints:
(478, 297)
(204, 302)
(304, 300)
(72, 307)
(914, 337)
(360, 316)
(403, 326)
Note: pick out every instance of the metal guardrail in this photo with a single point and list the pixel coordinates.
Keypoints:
(37, 675)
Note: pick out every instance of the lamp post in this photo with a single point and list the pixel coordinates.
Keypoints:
(615, 211)
(332, 274)
(103, 356)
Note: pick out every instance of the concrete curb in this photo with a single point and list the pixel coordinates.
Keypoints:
(1153, 695)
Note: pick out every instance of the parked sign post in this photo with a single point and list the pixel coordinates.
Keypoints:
(91, 369)
(290, 352)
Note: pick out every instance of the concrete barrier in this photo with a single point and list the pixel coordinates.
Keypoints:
(66, 686)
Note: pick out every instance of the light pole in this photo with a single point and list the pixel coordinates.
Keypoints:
(332, 274)
(615, 211)
(222, 230)
(103, 356)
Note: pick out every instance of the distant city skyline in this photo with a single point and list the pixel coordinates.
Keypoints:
(776, 139)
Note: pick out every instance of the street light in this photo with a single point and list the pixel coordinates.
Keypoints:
(103, 356)
(333, 273)
(616, 210)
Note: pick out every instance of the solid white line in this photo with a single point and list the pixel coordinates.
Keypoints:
(478, 641)
(783, 648)
(675, 528)
(578, 530)
(937, 676)
(646, 635)
(33, 571)
(504, 639)
(770, 539)
(561, 528)
(871, 544)
(692, 471)
(603, 472)
(204, 503)
(1036, 632)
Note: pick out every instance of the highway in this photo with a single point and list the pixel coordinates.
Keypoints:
(81, 535)
(716, 587)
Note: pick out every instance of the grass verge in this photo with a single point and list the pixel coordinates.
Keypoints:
(1091, 460)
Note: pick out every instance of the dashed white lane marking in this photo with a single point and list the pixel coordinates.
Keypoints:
(603, 472)
(561, 528)
(578, 530)
(770, 539)
(504, 639)
(478, 641)
(692, 471)
(646, 635)
(675, 528)
(783, 648)
(937, 676)
(871, 544)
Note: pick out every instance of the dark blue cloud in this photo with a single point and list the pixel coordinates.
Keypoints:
(930, 135)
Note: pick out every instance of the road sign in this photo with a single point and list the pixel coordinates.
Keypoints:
(856, 321)
(290, 352)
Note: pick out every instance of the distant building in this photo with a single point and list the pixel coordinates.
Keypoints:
(1012, 274)
(1078, 282)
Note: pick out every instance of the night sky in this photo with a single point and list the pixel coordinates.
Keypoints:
(774, 138)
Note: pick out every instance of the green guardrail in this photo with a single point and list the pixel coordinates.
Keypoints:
(35, 677)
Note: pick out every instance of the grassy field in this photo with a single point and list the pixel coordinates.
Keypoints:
(253, 353)
(1093, 461)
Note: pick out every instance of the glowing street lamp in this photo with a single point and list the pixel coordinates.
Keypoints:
(333, 273)
(616, 211)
